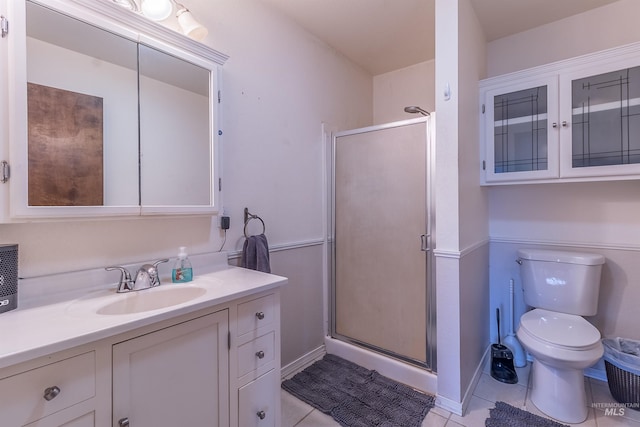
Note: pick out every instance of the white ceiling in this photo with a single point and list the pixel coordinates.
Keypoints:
(386, 35)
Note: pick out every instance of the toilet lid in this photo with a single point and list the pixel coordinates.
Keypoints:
(560, 329)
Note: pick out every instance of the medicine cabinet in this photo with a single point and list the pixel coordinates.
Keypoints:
(574, 120)
(110, 114)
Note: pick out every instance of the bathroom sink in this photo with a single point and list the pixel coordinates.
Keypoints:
(151, 299)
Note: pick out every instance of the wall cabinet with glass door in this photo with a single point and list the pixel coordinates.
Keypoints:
(573, 120)
(108, 113)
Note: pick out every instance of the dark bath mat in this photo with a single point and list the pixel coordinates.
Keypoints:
(504, 415)
(357, 397)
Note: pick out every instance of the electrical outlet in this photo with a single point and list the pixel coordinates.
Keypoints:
(225, 222)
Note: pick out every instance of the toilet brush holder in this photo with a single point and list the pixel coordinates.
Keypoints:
(502, 368)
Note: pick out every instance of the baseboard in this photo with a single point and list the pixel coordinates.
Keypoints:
(460, 408)
(302, 362)
(476, 378)
(449, 405)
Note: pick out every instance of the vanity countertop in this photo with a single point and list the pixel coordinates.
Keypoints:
(35, 331)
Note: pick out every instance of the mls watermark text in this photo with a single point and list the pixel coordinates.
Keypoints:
(615, 409)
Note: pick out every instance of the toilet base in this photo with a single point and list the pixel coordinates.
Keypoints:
(559, 392)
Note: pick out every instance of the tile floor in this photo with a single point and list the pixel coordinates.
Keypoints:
(296, 413)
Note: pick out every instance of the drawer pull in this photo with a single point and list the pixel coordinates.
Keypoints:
(260, 315)
(261, 415)
(123, 422)
(51, 392)
(260, 354)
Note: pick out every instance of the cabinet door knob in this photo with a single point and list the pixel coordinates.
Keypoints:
(51, 392)
(260, 354)
(554, 125)
(123, 422)
(564, 124)
(260, 315)
(261, 415)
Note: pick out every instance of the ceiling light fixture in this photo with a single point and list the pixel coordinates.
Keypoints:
(188, 24)
(157, 10)
(160, 10)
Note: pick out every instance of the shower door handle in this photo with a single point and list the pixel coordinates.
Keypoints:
(424, 243)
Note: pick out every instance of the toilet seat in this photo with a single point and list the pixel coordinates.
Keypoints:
(562, 330)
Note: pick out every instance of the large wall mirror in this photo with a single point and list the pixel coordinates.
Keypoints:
(174, 131)
(113, 125)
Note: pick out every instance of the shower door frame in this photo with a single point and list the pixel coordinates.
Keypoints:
(430, 227)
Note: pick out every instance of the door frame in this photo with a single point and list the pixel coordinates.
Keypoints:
(430, 228)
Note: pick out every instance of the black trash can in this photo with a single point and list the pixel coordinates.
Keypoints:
(622, 362)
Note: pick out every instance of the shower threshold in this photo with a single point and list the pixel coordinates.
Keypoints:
(413, 376)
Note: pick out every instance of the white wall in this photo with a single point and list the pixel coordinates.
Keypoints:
(279, 85)
(447, 209)
(461, 206)
(601, 28)
(597, 216)
(473, 226)
(392, 91)
(473, 212)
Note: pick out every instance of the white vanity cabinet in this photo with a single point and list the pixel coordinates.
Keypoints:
(572, 120)
(174, 376)
(215, 366)
(29, 398)
(258, 355)
(63, 390)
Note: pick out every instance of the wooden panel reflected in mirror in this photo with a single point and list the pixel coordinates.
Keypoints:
(65, 131)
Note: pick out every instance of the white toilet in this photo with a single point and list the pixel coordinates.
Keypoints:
(561, 287)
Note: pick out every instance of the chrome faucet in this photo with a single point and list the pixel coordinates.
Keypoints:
(126, 284)
(146, 277)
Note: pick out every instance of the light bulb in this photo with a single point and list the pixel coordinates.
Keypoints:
(157, 10)
(190, 27)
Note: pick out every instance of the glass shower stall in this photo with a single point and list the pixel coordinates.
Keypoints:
(382, 237)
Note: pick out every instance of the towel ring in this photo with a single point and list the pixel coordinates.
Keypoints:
(248, 217)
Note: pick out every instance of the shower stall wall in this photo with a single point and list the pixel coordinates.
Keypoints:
(382, 228)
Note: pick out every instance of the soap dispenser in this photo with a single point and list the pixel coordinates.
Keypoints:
(182, 271)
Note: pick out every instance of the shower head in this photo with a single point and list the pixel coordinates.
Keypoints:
(416, 110)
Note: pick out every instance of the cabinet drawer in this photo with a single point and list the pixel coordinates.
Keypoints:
(258, 402)
(60, 420)
(23, 397)
(255, 314)
(256, 353)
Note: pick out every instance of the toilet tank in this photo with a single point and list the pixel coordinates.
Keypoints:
(566, 282)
